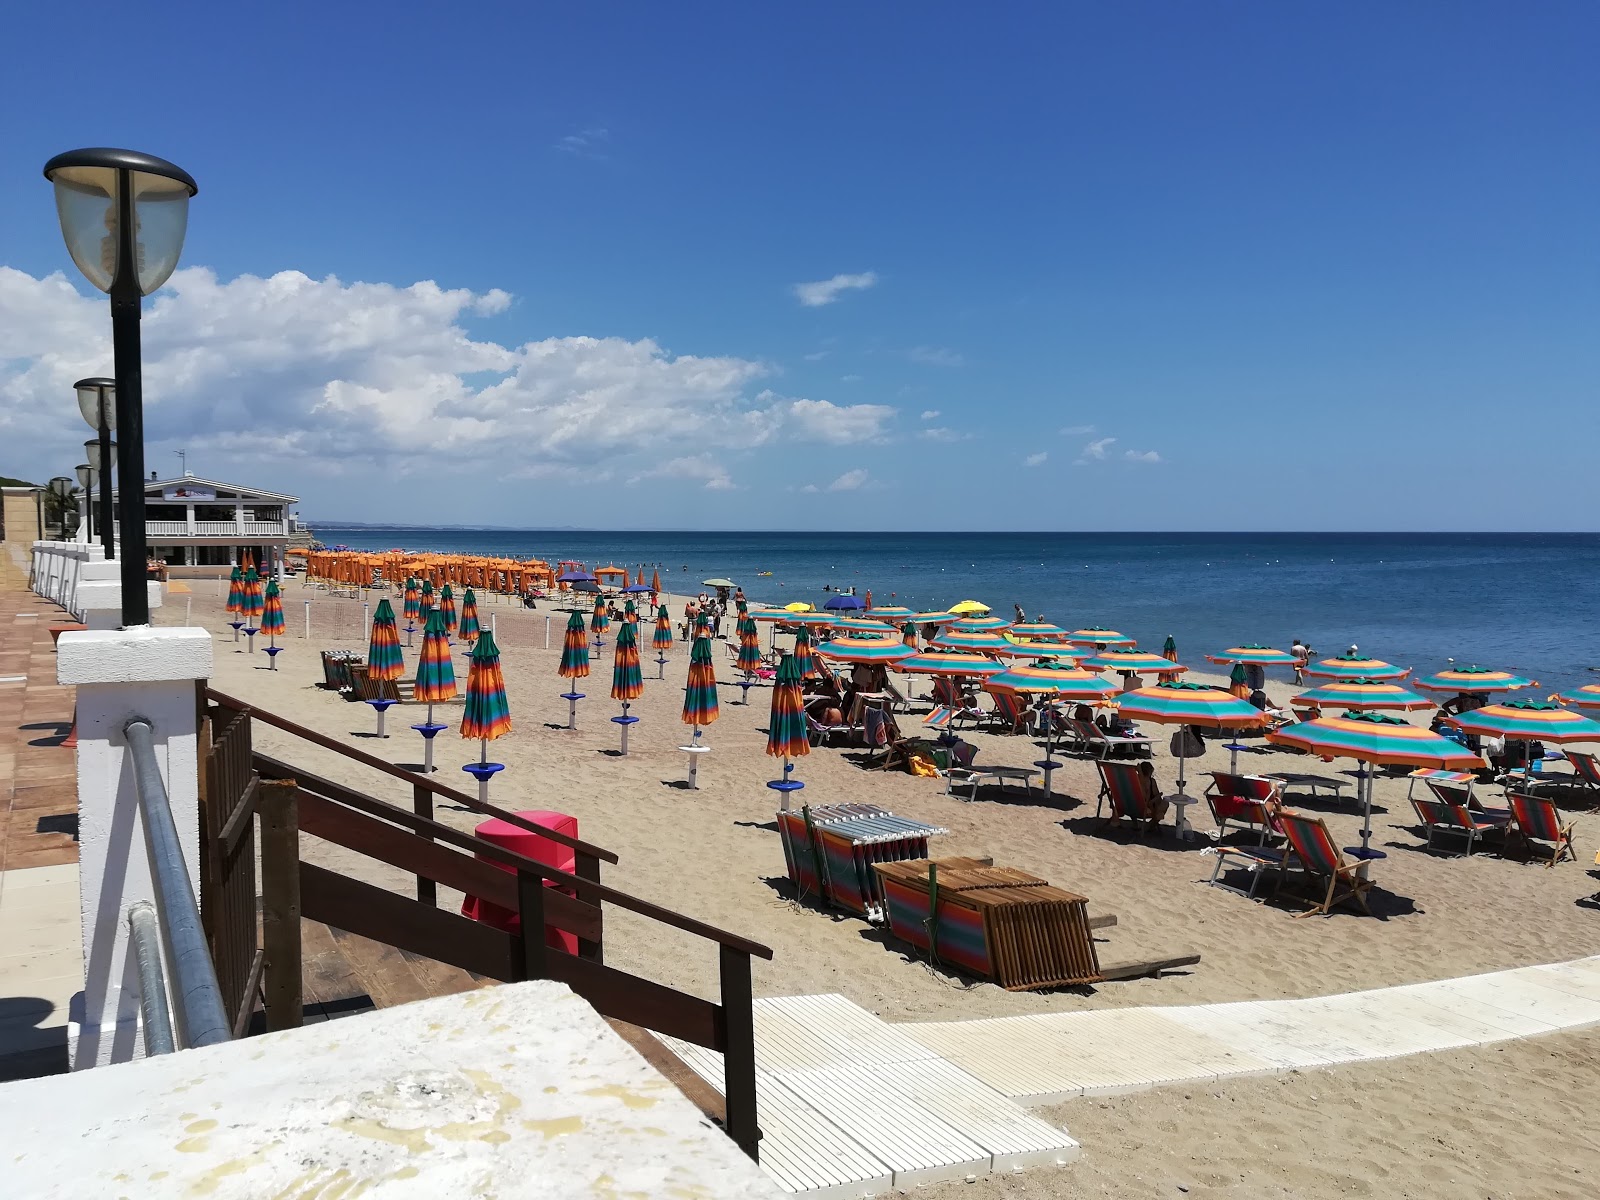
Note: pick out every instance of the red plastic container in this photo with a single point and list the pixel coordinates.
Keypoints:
(540, 849)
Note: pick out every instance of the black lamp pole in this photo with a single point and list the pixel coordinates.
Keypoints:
(108, 517)
(129, 371)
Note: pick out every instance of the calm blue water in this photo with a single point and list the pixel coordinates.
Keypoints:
(1524, 602)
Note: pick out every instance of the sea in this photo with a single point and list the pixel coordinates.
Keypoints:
(1523, 602)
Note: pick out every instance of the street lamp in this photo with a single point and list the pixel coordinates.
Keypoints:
(86, 481)
(61, 488)
(97, 401)
(123, 215)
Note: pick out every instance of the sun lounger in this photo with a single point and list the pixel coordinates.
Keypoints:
(824, 735)
(1312, 783)
(1126, 789)
(1096, 741)
(1534, 819)
(963, 771)
(1246, 800)
(1316, 853)
(1585, 774)
(1254, 859)
(1444, 813)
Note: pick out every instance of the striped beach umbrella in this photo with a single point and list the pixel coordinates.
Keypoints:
(413, 601)
(627, 682)
(864, 625)
(1131, 662)
(749, 646)
(272, 611)
(949, 662)
(1587, 696)
(974, 642)
(574, 650)
(1473, 680)
(601, 620)
(893, 613)
(1042, 630)
(1355, 666)
(447, 608)
(976, 624)
(255, 598)
(425, 601)
(630, 613)
(1169, 651)
(700, 696)
(803, 655)
(1180, 703)
(1361, 695)
(655, 582)
(384, 660)
(1261, 656)
(887, 649)
(661, 639)
(1098, 635)
(1049, 678)
(236, 591)
(487, 715)
(1528, 721)
(1059, 652)
(786, 729)
(436, 675)
(469, 616)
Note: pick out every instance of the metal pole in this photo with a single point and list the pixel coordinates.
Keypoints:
(196, 996)
(547, 631)
(145, 933)
(108, 516)
(308, 620)
(125, 305)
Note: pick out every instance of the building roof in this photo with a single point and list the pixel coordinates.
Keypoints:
(254, 493)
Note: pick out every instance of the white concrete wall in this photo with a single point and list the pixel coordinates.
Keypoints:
(78, 576)
(519, 1090)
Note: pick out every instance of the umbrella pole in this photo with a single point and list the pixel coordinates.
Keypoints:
(427, 745)
(695, 750)
(1181, 822)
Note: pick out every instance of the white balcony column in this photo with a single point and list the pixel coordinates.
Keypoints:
(188, 517)
(121, 674)
(238, 519)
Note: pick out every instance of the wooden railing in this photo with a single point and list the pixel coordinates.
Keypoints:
(542, 896)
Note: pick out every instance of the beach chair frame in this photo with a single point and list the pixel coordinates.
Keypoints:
(1535, 819)
(1254, 859)
(1314, 849)
(1122, 788)
(1102, 744)
(1440, 814)
(1245, 799)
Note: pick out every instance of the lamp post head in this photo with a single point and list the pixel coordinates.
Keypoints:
(97, 396)
(91, 451)
(89, 188)
(85, 476)
(60, 486)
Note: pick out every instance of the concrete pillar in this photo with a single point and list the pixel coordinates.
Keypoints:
(121, 674)
(100, 594)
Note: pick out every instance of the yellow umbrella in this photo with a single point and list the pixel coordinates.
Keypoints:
(969, 606)
(797, 606)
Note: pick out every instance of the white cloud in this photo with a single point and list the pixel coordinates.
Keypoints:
(1096, 451)
(335, 377)
(700, 467)
(849, 379)
(937, 433)
(1076, 430)
(826, 291)
(816, 355)
(1143, 456)
(935, 356)
(811, 487)
(931, 414)
(1035, 460)
(592, 142)
(850, 481)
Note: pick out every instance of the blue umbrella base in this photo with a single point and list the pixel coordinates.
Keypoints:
(483, 771)
(432, 730)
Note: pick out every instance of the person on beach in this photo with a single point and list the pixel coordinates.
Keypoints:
(1022, 617)
(1158, 802)
(1302, 658)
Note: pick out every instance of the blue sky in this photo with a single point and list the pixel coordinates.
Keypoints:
(1273, 266)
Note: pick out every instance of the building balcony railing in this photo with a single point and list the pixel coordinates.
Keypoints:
(180, 529)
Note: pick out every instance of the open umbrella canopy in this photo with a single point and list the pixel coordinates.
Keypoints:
(894, 613)
(1587, 696)
(574, 650)
(469, 616)
(933, 618)
(1131, 662)
(1345, 666)
(1054, 651)
(661, 639)
(864, 625)
(384, 660)
(982, 643)
(272, 611)
(949, 662)
(236, 591)
(1097, 635)
(700, 696)
(1361, 695)
(798, 606)
(487, 715)
(1528, 720)
(1261, 656)
(1178, 703)
(727, 583)
(1376, 738)
(637, 588)
(1473, 680)
(786, 727)
(844, 602)
(890, 648)
(1050, 678)
(436, 674)
(586, 587)
(981, 624)
(969, 606)
(627, 683)
(575, 577)
(1034, 629)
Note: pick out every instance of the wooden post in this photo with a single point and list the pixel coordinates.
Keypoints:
(588, 867)
(280, 902)
(422, 805)
(530, 910)
(739, 1051)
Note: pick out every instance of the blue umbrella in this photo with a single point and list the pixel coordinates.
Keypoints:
(843, 601)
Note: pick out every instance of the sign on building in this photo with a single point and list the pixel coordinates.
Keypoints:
(183, 491)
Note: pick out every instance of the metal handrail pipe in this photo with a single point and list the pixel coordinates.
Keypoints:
(196, 995)
(144, 930)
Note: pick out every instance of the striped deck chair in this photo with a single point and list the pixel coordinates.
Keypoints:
(1010, 711)
(1245, 799)
(1123, 786)
(1441, 815)
(1585, 768)
(948, 694)
(1316, 852)
(1533, 818)
(939, 718)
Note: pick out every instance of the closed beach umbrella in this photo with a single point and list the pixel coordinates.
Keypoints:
(384, 660)
(786, 729)
(1261, 656)
(469, 616)
(1473, 681)
(661, 639)
(1180, 703)
(413, 602)
(979, 643)
(1098, 635)
(1131, 662)
(1169, 651)
(487, 715)
(749, 646)
(1361, 695)
(425, 600)
(436, 676)
(626, 681)
(1239, 681)
(1587, 696)
(255, 600)
(1355, 666)
(655, 581)
(866, 649)
(236, 593)
(272, 611)
(574, 650)
(601, 621)
(630, 614)
(803, 655)
(700, 696)
(447, 608)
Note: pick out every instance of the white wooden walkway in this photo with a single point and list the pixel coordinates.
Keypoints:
(854, 1106)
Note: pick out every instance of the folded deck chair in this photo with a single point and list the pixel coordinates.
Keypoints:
(1317, 854)
(1125, 788)
(1246, 800)
(1534, 819)
(1444, 815)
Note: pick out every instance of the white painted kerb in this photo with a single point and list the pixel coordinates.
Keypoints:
(519, 1090)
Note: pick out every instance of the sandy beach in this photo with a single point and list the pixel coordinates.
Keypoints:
(1502, 1122)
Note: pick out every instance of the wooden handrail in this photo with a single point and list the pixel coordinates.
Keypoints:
(411, 777)
(588, 889)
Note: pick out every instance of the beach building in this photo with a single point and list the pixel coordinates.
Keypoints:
(204, 524)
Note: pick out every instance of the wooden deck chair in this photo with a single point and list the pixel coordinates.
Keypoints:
(1439, 815)
(1247, 800)
(939, 718)
(1011, 712)
(1317, 854)
(1124, 787)
(1534, 818)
